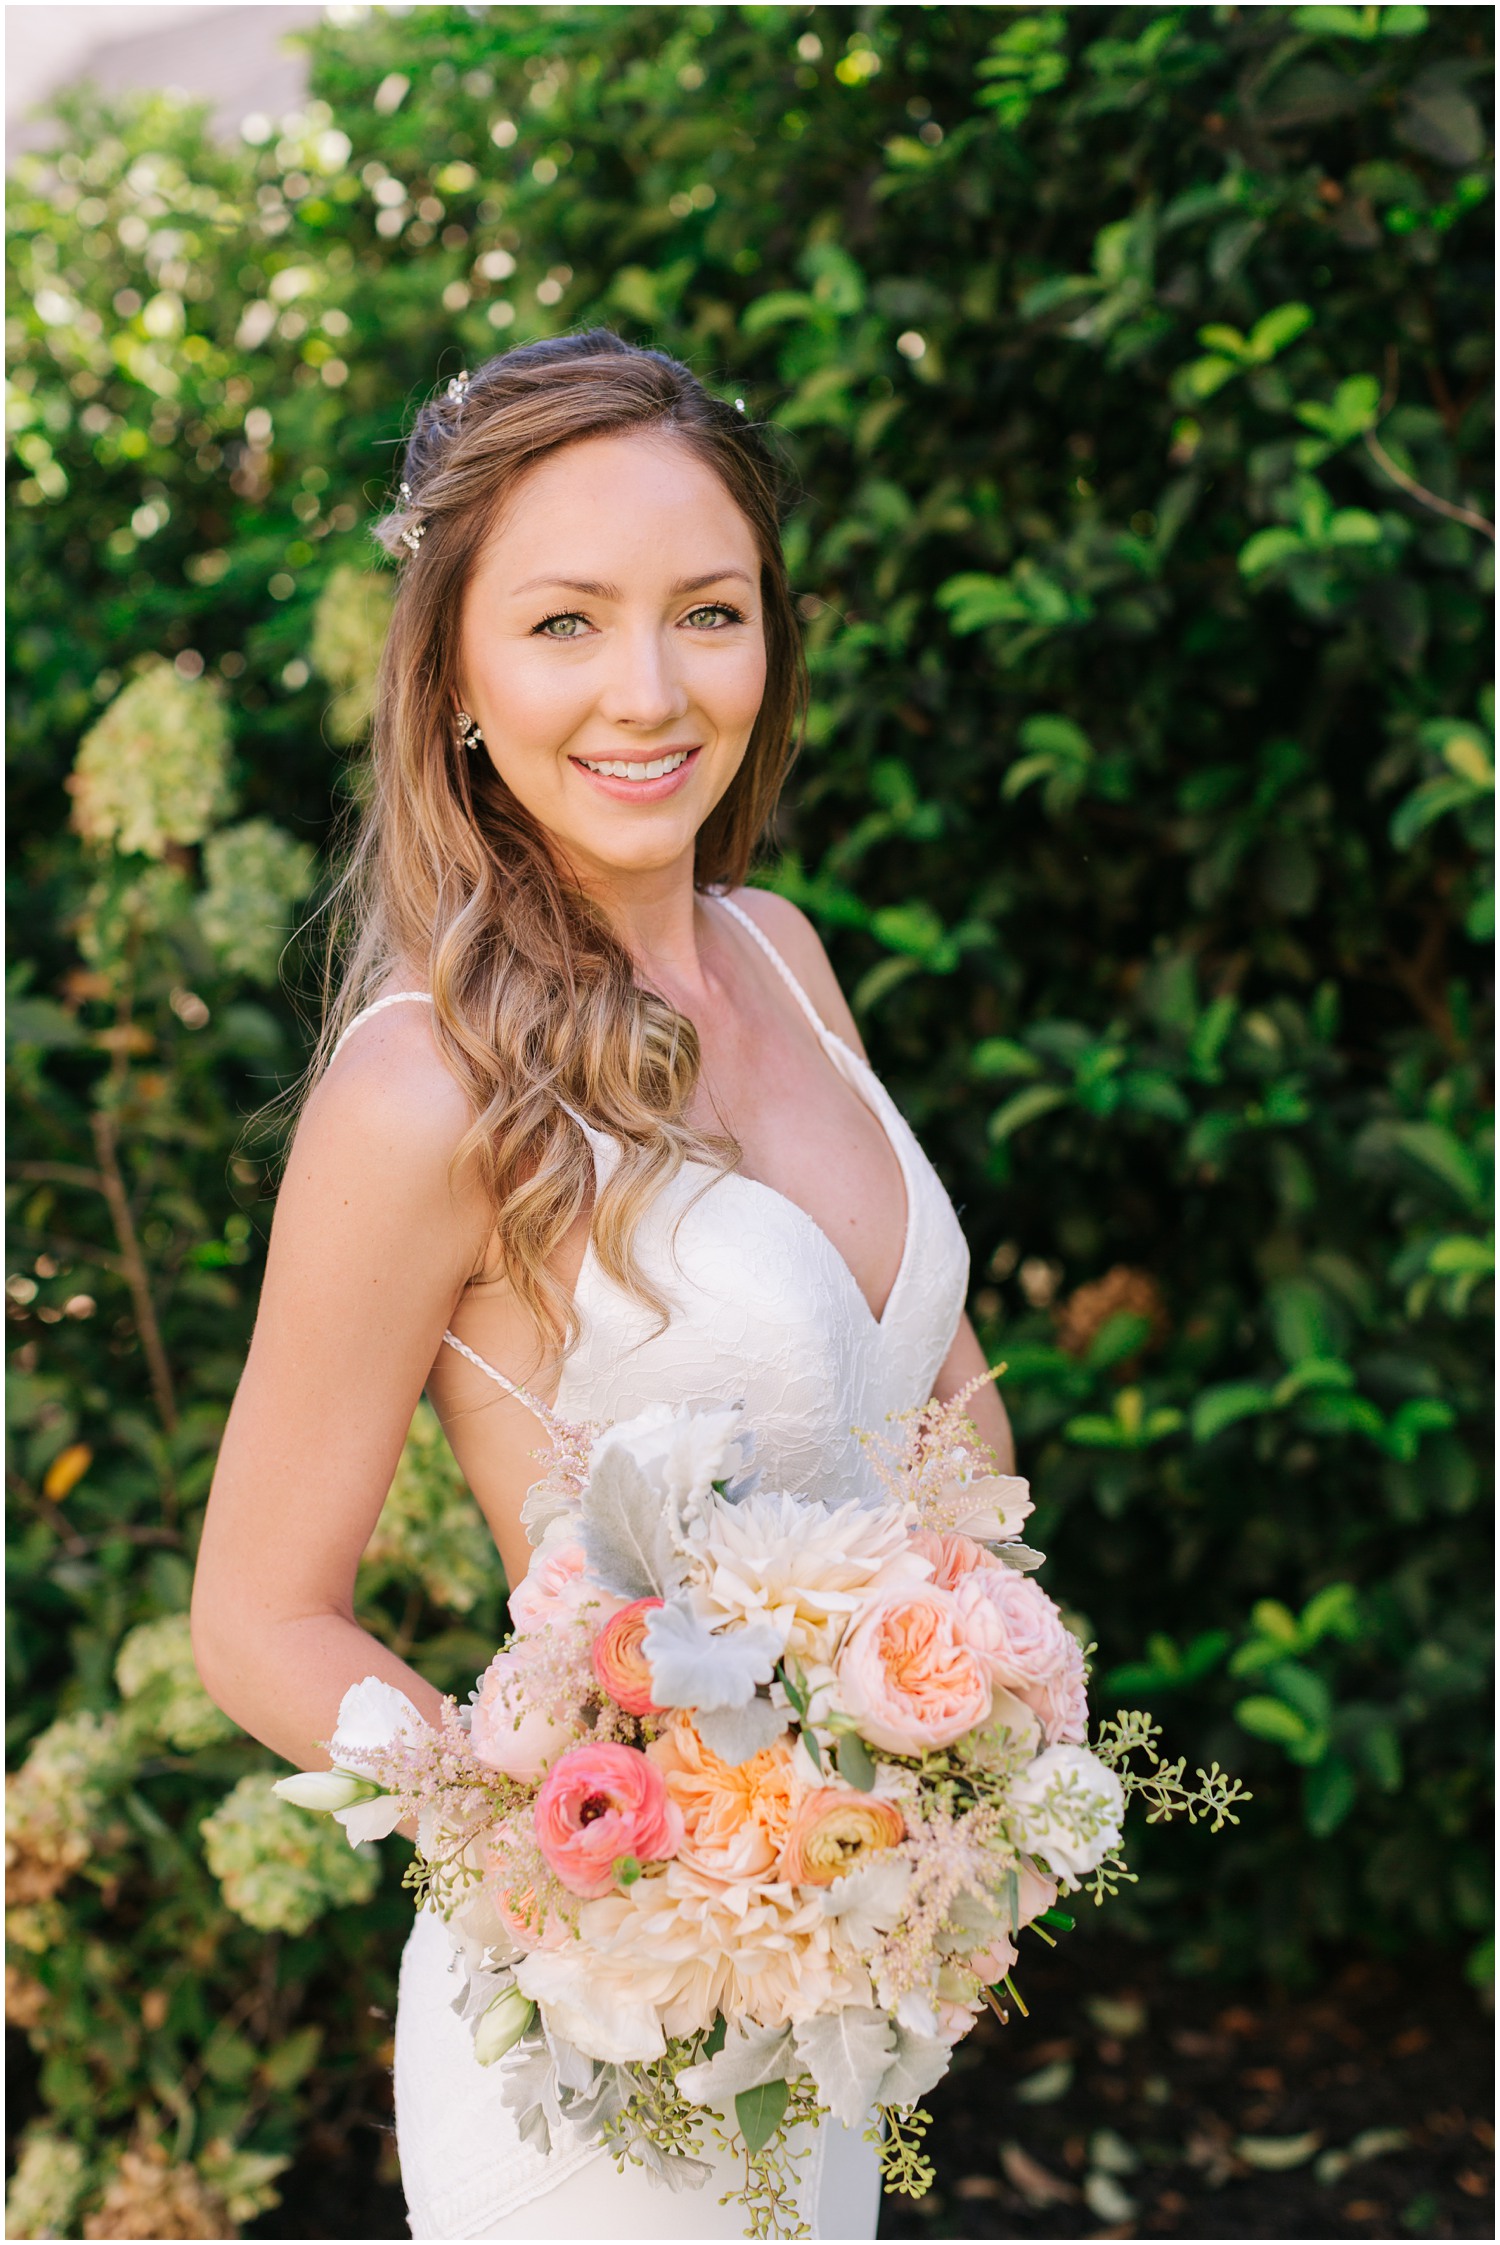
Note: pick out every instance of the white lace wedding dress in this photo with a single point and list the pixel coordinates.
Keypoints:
(766, 1310)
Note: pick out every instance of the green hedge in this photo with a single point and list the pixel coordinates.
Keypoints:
(1131, 366)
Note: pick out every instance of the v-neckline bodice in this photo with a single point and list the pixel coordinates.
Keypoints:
(878, 1100)
(866, 1086)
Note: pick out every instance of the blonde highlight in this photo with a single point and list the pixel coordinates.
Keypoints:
(536, 1010)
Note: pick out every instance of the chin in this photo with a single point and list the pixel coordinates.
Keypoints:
(609, 850)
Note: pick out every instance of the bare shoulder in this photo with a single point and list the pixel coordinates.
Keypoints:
(386, 1115)
(800, 945)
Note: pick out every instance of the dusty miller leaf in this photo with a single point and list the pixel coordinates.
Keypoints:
(625, 1529)
(695, 1666)
(868, 1900)
(848, 2053)
(738, 1734)
(919, 2065)
(749, 2057)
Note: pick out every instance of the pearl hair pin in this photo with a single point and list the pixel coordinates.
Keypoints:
(458, 390)
(412, 534)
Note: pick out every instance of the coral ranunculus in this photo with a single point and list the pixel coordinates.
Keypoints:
(598, 1803)
(620, 1661)
(907, 1676)
(834, 1830)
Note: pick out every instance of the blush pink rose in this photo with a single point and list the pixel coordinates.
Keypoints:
(598, 1803)
(620, 1658)
(504, 1733)
(953, 1556)
(1034, 1895)
(555, 1589)
(907, 1676)
(1012, 1625)
(1060, 1701)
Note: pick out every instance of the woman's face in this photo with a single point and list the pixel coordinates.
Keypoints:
(612, 650)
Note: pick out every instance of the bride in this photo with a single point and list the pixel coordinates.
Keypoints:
(591, 1125)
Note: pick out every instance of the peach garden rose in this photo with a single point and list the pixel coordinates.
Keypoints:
(735, 1816)
(907, 1675)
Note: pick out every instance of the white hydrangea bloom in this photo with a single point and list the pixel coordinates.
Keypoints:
(349, 626)
(154, 769)
(255, 875)
(42, 2196)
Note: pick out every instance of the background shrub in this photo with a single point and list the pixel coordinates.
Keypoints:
(1132, 370)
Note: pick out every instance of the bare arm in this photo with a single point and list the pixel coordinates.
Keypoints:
(964, 1362)
(370, 1249)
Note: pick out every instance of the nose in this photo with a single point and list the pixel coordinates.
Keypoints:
(644, 688)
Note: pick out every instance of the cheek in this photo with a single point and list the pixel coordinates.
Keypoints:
(535, 704)
(730, 689)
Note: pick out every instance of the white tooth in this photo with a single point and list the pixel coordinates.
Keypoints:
(654, 770)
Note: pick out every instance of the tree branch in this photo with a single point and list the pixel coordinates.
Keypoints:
(112, 1185)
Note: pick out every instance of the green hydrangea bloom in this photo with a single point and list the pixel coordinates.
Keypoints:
(154, 769)
(349, 627)
(43, 2193)
(119, 909)
(254, 874)
(279, 1867)
(157, 1674)
(430, 1527)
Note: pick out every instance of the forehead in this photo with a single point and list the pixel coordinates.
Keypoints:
(639, 499)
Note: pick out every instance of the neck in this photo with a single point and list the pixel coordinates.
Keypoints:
(655, 915)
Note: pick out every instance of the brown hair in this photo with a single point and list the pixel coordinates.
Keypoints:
(536, 1007)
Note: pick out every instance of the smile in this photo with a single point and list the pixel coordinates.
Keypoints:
(656, 769)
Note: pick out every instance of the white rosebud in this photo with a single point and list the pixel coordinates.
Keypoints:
(1068, 1809)
(502, 2026)
(327, 1789)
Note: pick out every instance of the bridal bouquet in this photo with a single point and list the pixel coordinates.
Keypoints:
(748, 1815)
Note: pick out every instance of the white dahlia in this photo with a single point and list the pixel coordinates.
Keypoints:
(799, 1566)
(676, 1948)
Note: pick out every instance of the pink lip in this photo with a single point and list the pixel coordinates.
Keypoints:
(643, 791)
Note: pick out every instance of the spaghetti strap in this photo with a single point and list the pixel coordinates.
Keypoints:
(785, 972)
(378, 1005)
(538, 1410)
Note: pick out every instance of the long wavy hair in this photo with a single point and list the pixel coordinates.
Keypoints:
(536, 1008)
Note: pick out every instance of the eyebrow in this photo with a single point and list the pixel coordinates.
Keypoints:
(612, 592)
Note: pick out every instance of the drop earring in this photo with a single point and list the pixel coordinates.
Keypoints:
(469, 735)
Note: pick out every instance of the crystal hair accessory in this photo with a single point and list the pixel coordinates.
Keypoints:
(458, 388)
(413, 533)
(469, 735)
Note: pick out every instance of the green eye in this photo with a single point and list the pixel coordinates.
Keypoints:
(719, 610)
(566, 617)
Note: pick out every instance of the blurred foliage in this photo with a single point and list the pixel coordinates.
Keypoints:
(1132, 368)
